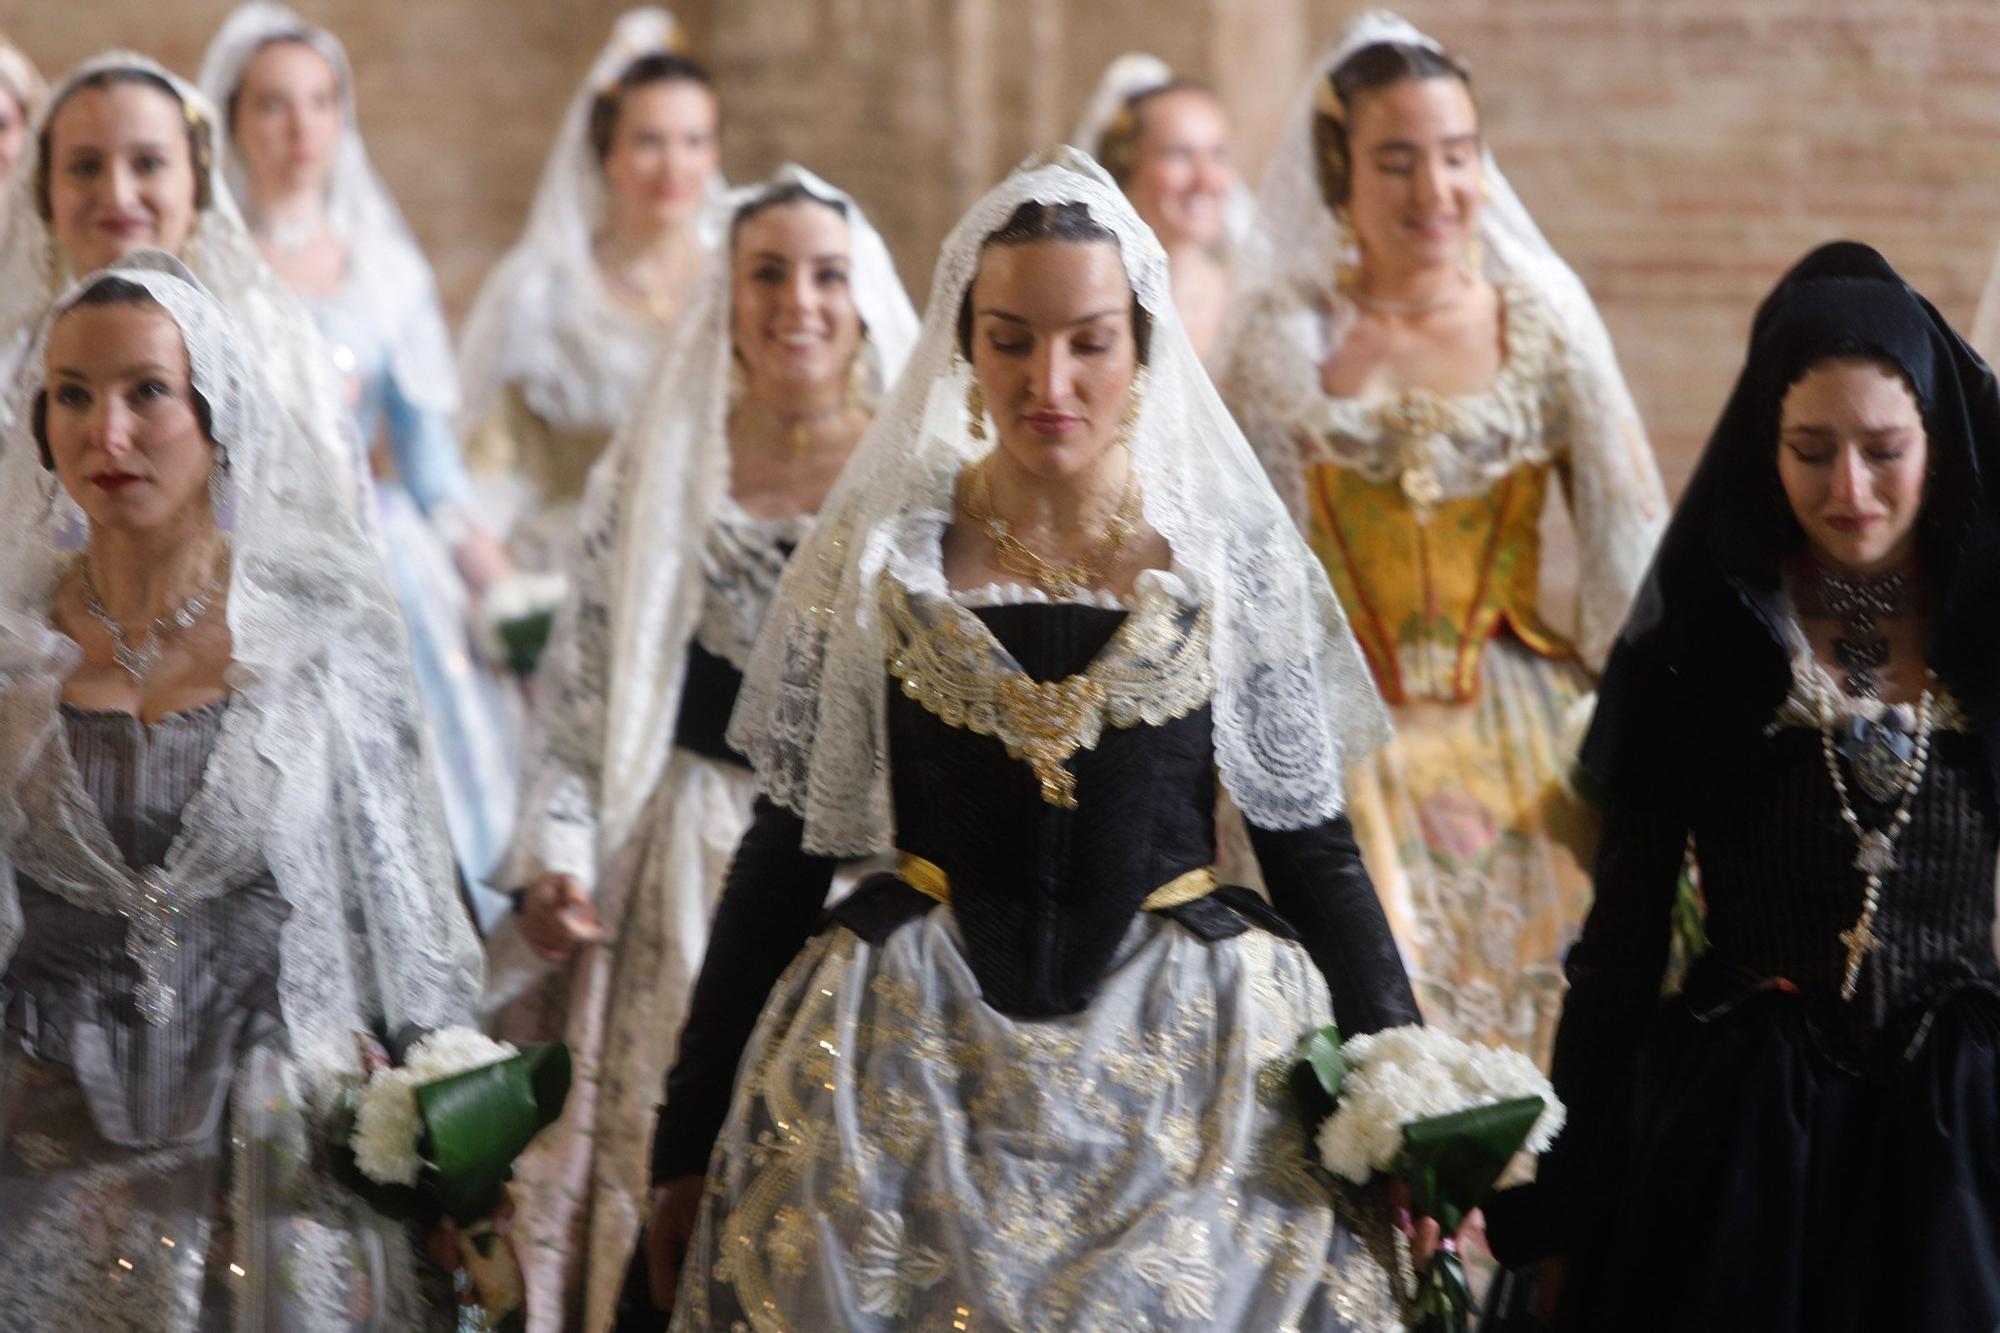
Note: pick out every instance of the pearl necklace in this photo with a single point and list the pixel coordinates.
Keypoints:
(1875, 852)
(138, 663)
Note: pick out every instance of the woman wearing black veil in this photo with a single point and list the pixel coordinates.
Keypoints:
(1808, 1136)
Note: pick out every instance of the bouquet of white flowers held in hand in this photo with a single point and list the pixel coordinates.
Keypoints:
(437, 1136)
(1445, 1114)
(516, 615)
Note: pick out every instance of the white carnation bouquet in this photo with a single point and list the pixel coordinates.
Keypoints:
(437, 1136)
(1446, 1114)
(515, 617)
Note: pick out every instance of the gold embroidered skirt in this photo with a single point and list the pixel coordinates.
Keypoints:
(902, 1155)
(1467, 832)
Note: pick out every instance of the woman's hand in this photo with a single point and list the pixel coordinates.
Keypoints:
(676, 1208)
(1424, 1232)
(557, 918)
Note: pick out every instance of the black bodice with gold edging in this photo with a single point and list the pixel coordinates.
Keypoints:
(1044, 877)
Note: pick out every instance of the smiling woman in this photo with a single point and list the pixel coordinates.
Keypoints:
(124, 158)
(1418, 371)
(636, 800)
(556, 347)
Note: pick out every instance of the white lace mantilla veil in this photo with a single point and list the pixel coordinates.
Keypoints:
(295, 359)
(612, 680)
(339, 804)
(543, 318)
(1294, 704)
(383, 256)
(1127, 77)
(1616, 493)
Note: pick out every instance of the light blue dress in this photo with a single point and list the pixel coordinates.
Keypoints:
(423, 500)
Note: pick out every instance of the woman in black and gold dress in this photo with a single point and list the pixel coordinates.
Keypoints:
(1805, 1138)
(1019, 665)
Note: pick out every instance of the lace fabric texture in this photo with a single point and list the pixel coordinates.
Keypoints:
(663, 555)
(1289, 320)
(383, 258)
(543, 319)
(294, 358)
(1156, 1176)
(321, 770)
(1293, 700)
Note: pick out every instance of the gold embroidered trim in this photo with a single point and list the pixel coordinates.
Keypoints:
(1152, 671)
(934, 881)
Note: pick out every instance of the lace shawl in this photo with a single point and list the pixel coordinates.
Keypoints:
(543, 319)
(663, 554)
(1294, 704)
(384, 261)
(1289, 319)
(324, 772)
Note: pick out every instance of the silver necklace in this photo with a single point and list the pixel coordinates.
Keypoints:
(138, 663)
(1861, 602)
(290, 236)
(1875, 851)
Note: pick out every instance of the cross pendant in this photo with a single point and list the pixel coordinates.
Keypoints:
(1861, 940)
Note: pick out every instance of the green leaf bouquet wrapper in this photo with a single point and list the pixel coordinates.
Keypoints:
(475, 1125)
(1451, 1161)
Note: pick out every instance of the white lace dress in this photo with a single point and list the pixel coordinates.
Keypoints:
(582, 1188)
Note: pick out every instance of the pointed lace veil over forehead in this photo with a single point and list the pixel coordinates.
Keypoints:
(222, 255)
(650, 502)
(383, 255)
(542, 318)
(320, 668)
(1618, 501)
(1294, 704)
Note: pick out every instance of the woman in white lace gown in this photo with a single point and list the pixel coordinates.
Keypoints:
(330, 231)
(636, 800)
(221, 856)
(124, 158)
(558, 342)
(1165, 140)
(1415, 367)
(1036, 1078)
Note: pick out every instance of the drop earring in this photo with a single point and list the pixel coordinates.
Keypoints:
(975, 410)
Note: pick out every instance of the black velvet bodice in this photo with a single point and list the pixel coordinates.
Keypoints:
(1780, 886)
(1043, 893)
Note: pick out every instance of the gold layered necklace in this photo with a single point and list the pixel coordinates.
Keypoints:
(1016, 557)
(799, 429)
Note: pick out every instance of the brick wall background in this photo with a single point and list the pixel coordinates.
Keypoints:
(1680, 153)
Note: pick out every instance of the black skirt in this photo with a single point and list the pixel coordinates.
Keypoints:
(1766, 1170)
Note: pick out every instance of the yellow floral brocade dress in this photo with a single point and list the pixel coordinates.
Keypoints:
(1426, 511)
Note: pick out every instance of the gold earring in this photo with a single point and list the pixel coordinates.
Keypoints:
(975, 410)
(1475, 256)
(857, 375)
(1128, 424)
(738, 383)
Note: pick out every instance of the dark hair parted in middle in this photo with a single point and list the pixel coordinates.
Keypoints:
(1371, 69)
(660, 67)
(110, 290)
(777, 196)
(201, 141)
(1034, 223)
